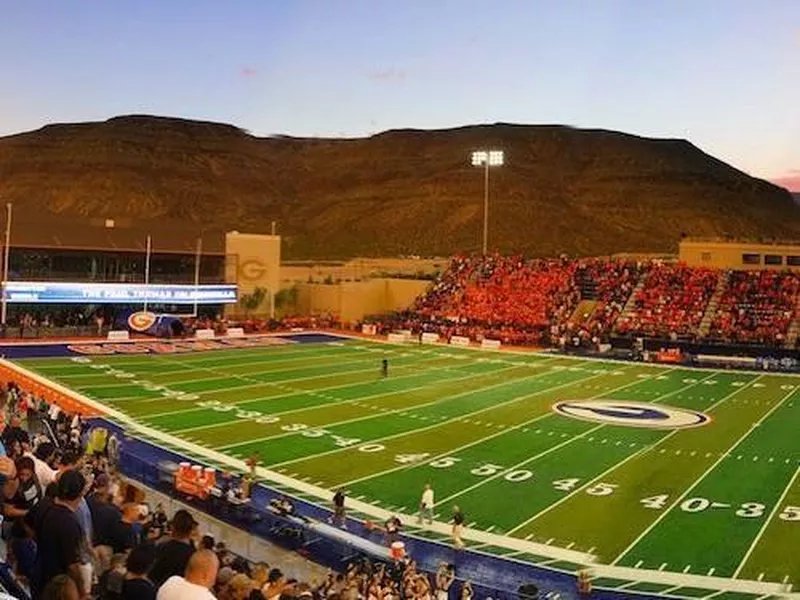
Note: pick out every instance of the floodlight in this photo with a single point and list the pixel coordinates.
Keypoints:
(486, 159)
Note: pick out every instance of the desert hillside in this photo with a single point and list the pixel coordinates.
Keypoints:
(399, 192)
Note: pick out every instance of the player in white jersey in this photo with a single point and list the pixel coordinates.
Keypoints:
(426, 505)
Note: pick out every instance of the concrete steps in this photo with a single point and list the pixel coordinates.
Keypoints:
(630, 304)
(713, 304)
(583, 312)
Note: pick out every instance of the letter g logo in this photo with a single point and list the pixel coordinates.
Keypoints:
(252, 270)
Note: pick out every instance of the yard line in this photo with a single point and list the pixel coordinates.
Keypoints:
(440, 423)
(295, 391)
(223, 373)
(354, 401)
(761, 531)
(193, 357)
(619, 464)
(722, 457)
(564, 443)
(219, 374)
(401, 410)
(492, 436)
(282, 382)
(180, 367)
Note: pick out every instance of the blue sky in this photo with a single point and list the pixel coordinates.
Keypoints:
(724, 74)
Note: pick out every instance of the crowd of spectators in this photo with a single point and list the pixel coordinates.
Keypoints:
(75, 529)
(534, 302)
(365, 580)
(756, 307)
(671, 303)
(609, 284)
(55, 321)
(511, 299)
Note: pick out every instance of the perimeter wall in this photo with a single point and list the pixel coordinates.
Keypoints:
(353, 300)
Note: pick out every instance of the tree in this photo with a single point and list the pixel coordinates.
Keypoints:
(253, 300)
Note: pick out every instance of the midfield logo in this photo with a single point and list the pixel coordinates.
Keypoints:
(631, 414)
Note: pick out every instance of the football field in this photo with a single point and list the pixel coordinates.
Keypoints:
(653, 467)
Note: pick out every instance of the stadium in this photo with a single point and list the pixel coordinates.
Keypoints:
(626, 424)
(459, 362)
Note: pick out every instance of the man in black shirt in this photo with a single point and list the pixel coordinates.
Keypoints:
(106, 517)
(59, 535)
(173, 555)
(384, 368)
(137, 586)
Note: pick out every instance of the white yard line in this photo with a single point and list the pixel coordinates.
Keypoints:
(454, 419)
(281, 384)
(182, 367)
(325, 390)
(180, 358)
(697, 481)
(352, 401)
(489, 437)
(619, 464)
(778, 506)
(567, 442)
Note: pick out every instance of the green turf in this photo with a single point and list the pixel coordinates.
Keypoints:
(479, 427)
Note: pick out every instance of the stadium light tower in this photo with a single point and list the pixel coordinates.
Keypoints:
(486, 159)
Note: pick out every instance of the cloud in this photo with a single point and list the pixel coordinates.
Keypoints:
(790, 181)
(387, 75)
(247, 72)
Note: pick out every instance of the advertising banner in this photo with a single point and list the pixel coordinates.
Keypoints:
(148, 323)
(51, 292)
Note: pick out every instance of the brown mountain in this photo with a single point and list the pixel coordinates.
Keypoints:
(399, 192)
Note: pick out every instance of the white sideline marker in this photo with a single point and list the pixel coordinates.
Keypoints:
(687, 568)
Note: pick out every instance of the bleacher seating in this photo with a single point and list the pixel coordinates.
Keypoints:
(671, 303)
(500, 296)
(757, 307)
(531, 302)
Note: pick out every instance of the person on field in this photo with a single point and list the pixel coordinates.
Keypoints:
(426, 505)
(458, 526)
(384, 368)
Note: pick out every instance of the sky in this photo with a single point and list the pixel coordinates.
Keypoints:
(724, 74)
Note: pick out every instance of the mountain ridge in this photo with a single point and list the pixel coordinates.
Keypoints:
(402, 191)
